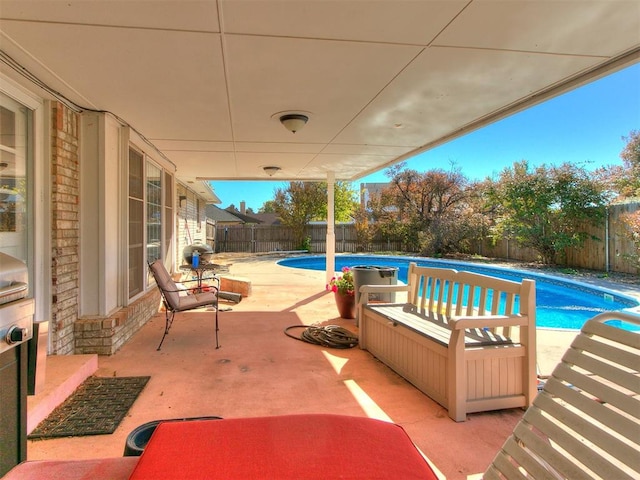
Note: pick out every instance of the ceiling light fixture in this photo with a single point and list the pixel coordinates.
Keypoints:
(294, 121)
(271, 170)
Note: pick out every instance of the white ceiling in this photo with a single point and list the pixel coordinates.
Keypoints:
(381, 80)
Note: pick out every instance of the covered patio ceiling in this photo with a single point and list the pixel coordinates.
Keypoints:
(206, 81)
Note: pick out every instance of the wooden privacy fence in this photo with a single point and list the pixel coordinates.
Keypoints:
(615, 252)
(271, 238)
(596, 254)
(609, 248)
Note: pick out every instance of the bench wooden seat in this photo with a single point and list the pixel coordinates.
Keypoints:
(436, 326)
(453, 338)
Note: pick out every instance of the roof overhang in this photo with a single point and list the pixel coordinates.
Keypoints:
(206, 81)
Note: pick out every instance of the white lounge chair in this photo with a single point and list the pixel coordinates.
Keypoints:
(585, 423)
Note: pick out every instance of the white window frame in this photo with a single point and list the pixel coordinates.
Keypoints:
(39, 249)
(166, 209)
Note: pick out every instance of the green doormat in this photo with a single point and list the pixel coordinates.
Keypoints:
(96, 408)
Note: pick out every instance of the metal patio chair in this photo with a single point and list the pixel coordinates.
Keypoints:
(181, 300)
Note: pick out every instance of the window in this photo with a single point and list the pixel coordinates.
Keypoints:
(154, 212)
(136, 229)
(15, 137)
(168, 214)
(150, 218)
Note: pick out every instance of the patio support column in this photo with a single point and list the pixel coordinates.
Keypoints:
(331, 236)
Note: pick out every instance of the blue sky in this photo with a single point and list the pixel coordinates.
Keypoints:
(584, 126)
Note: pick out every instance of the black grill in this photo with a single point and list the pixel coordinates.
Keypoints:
(16, 329)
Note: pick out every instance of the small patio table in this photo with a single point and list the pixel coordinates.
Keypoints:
(203, 269)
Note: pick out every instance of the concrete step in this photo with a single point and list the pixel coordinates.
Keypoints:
(64, 373)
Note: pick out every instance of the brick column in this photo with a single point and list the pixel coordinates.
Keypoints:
(65, 231)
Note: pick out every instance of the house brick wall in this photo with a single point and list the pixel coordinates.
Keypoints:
(105, 335)
(65, 230)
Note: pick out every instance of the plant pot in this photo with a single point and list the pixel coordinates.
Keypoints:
(346, 305)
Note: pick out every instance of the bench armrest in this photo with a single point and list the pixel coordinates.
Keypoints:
(463, 322)
(365, 290)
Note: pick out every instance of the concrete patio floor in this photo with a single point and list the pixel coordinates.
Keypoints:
(260, 371)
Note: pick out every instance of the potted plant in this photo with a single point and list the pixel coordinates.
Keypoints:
(344, 292)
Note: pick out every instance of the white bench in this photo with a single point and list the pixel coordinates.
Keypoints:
(453, 339)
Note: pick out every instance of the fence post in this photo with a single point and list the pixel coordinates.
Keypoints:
(607, 245)
(253, 238)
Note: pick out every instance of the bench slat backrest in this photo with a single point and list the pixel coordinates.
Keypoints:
(450, 292)
(586, 421)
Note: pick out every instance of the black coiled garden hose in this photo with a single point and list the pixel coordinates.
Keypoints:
(331, 336)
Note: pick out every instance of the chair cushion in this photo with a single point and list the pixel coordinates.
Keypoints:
(166, 284)
(196, 300)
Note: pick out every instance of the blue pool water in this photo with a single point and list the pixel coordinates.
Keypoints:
(560, 303)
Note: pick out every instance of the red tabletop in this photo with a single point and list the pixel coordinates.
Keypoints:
(316, 446)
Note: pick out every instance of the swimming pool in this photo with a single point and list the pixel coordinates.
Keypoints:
(560, 303)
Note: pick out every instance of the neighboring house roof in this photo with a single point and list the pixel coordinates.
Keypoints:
(242, 216)
(222, 216)
(268, 218)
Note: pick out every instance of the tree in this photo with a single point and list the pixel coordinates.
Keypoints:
(298, 204)
(629, 181)
(364, 229)
(426, 209)
(625, 178)
(345, 202)
(267, 207)
(546, 208)
(301, 202)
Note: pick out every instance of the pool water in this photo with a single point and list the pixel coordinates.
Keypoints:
(560, 303)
